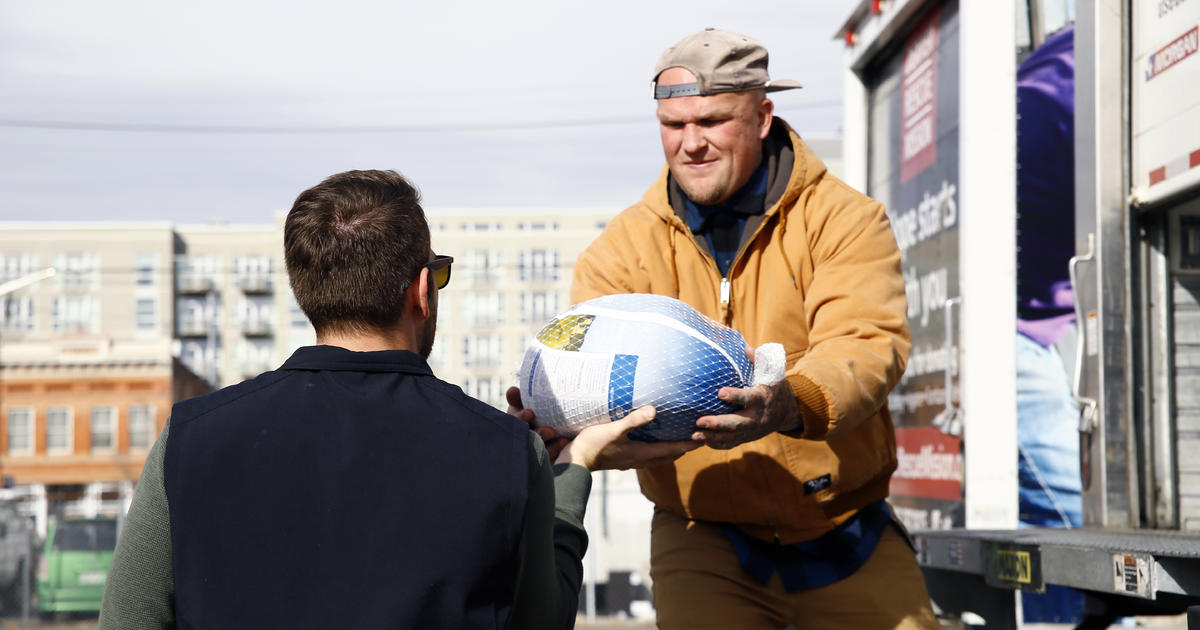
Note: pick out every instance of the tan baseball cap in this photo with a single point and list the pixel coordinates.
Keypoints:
(722, 61)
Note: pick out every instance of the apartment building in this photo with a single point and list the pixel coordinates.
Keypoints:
(87, 368)
(512, 273)
(235, 316)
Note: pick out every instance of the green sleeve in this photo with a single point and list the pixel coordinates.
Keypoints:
(552, 544)
(139, 593)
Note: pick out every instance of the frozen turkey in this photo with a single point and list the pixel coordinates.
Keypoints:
(610, 355)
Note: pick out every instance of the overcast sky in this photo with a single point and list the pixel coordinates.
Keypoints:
(184, 112)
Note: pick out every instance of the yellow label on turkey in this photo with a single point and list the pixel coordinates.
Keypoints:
(1012, 566)
(566, 332)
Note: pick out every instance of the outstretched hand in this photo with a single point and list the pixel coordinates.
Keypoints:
(764, 409)
(606, 446)
(554, 444)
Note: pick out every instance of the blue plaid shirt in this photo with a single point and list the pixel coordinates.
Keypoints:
(814, 563)
(721, 225)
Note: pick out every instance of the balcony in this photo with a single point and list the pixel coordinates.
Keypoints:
(75, 283)
(257, 327)
(13, 329)
(537, 317)
(539, 275)
(256, 283)
(486, 320)
(192, 327)
(481, 362)
(194, 284)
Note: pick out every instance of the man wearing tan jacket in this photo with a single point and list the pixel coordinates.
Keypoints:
(782, 520)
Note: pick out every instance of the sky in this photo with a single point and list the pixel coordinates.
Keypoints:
(188, 113)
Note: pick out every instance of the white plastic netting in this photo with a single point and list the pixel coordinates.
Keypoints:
(608, 356)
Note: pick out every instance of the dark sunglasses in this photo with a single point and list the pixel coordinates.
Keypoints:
(440, 268)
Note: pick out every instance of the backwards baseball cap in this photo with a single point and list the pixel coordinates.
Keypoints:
(722, 61)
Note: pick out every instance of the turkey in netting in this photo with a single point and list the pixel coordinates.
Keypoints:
(605, 357)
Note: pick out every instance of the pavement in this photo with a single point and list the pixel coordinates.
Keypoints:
(68, 623)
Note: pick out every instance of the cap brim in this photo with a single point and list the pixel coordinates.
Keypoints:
(783, 84)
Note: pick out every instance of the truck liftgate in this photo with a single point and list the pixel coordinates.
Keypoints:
(1122, 573)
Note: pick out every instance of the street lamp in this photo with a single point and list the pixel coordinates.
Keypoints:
(24, 281)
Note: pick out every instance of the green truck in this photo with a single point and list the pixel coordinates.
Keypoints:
(74, 565)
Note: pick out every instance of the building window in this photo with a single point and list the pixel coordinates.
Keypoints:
(537, 307)
(437, 355)
(254, 273)
(484, 308)
(296, 318)
(141, 427)
(78, 271)
(59, 429)
(256, 315)
(484, 266)
(255, 356)
(20, 431)
(538, 265)
(145, 266)
(538, 226)
(196, 314)
(202, 359)
(75, 314)
(104, 420)
(195, 274)
(482, 350)
(16, 313)
(488, 390)
(146, 314)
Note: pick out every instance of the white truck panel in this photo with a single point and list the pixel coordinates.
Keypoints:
(1165, 86)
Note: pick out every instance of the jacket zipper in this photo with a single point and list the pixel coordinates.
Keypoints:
(726, 299)
(727, 290)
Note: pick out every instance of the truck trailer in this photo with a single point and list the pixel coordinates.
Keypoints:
(931, 130)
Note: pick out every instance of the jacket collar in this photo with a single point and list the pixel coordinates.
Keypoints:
(342, 360)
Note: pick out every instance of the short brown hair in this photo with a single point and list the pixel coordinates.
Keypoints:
(352, 245)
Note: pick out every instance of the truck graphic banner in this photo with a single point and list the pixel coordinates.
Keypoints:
(913, 170)
(918, 112)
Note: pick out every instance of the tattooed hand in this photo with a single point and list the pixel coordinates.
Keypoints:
(765, 409)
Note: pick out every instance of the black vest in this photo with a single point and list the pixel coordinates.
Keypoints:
(345, 490)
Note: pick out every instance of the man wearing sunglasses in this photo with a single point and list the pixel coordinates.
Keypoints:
(352, 488)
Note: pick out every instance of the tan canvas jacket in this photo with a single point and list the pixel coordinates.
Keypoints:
(821, 275)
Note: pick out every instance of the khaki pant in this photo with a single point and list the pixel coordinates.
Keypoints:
(698, 584)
